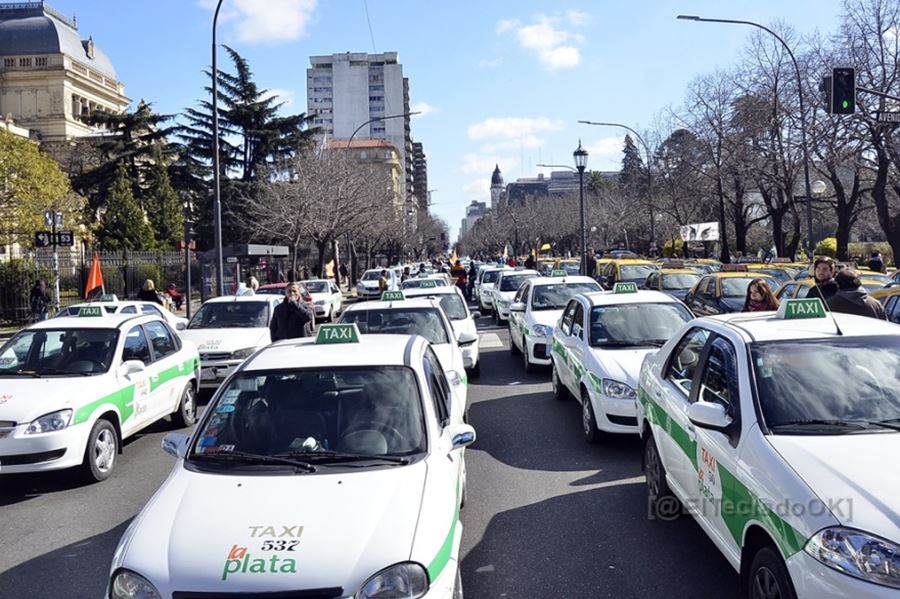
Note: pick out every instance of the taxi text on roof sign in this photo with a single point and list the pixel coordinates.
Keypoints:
(801, 308)
(625, 288)
(428, 284)
(392, 296)
(558, 273)
(109, 297)
(90, 311)
(337, 333)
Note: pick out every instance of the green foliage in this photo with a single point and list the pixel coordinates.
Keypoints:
(827, 247)
(633, 177)
(864, 249)
(124, 225)
(163, 208)
(17, 277)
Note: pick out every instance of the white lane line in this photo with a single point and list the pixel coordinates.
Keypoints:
(490, 341)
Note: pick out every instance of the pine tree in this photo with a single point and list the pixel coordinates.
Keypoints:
(124, 225)
(633, 177)
(163, 208)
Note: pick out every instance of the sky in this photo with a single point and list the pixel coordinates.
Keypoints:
(497, 82)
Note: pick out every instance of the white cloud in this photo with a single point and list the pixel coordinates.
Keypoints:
(483, 163)
(424, 107)
(489, 63)
(605, 152)
(555, 46)
(511, 128)
(270, 21)
(479, 189)
(282, 96)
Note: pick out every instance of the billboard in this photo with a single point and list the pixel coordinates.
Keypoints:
(700, 232)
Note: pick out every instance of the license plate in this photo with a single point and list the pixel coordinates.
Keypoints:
(208, 374)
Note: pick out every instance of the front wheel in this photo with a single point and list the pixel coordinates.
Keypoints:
(101, 451)
(661, 502)
(592, 434)
(186, 414)
(769, 578)
(513, 348)
(475, 371)
(530, 367)
(560, 393)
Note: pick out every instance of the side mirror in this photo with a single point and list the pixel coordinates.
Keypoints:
(461, 435)
(476, 314)
(517, 307)
(465, 338)
(454, 378)
(709, 415)
(130, 367)
(181, 326)
(175, 444)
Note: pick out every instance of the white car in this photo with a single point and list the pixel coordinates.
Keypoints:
(326, 298)
(598, 347)
(426, 281)
(779, 433)
(227, 330)
(484, 287)
(508, 283)
(322, 468)
(113, 305)
(535, 310)
(74, 388)
(367, 286)
(394, 314)
(463, 322)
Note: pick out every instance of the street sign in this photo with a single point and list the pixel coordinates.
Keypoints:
(43, 239)
(65, 238)
(48, 218)
(58, 222)
(231, 259)
(883, 116)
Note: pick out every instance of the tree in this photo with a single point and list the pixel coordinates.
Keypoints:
(124, 225)
(163, 208)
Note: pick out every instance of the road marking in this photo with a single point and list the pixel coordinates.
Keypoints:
(490, 341)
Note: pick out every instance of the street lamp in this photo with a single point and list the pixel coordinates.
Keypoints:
(580, 155)
(217, 203)
(811, 246)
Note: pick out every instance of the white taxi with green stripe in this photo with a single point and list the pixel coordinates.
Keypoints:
(598, 347)
(326, 467)
(777, 432)
(535, 310)
(74, 387)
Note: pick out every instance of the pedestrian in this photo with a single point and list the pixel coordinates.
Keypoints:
(759, 297)
(383, 282)
(148, 293)
(851, 297)
(291, 318)
(406, 274)
(459, 273)
(511, 261)
(40, 301)
(876, 263)
(248, 288)
(344, 272)
(529, 262)
(473, 274)
(823, 271)
(175, 296)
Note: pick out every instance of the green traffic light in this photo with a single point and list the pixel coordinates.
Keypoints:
(845, 104)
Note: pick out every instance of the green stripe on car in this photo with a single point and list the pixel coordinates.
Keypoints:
(440, 560)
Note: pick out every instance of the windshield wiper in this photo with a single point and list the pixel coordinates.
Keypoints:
(243, 456)
(642, 343)
(820, 422)
(892, 423)
(341, 456)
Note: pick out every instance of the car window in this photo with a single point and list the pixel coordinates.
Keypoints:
(522, 293)
(453, 306)
(151, 310)
(128, 310)
(707, 286)
(679, 282)
(227, 315)
(439, 390)
(161, 339)
(719, 382)
(652, 282)
(136, 346)
(685, 358)
(555, 295)
(635, 272)
(426, 322)
(893, 311)
(58, 352)
(788, 290)
(578, 321)
(568, 315)
(636, 325)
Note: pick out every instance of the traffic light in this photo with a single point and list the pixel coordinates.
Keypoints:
(843, 90)
(825, 87)
(189, 232)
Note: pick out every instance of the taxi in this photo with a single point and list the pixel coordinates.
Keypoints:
(227, 330)
(325, 298)
(484, 287)
(572, 266)
(673, 278)
(597, 349)
(426, 281)
(74, 388)
(325, 467)
(800, 289)
(367, 287)
(505, 289)
(536, 307)
(889, 297)
(113, 305)
(724, 291)
(626, 270)
(463, 322)
(771, 430)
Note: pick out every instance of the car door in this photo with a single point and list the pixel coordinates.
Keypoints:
(137, 412)
(652, 282)
(575, 346)
(692, 300)
(892, 309)
(787, 291)
(705, 298)
(562, 360)
(336, 299)
(169, 376)
(517, 319)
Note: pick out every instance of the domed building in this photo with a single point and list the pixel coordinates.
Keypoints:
(50, 78)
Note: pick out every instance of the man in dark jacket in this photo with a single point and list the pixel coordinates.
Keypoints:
(876, 263)
(291, 318)
(825, 287)
(851, 298)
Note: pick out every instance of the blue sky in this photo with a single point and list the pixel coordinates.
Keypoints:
(498, 82)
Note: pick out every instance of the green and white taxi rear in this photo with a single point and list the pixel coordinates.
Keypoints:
(779, 433)
(327, 467)
(598, 347)
(508, 283)
(326, 298)
(461, 319)
(74, 387)
(227, 330)
(113, 305)
(484, 287)
(535, 310)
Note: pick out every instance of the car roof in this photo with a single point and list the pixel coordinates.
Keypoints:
(524, 271)
(242, 298)
(107, 321)
(371, 350)
(632, 261)
(111, 303)
(380, 305)
(426, 291)
(765, 326)
(643, 296)
(555, 280)
(679, 271)
(738, 275)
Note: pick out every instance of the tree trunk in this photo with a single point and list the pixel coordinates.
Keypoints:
(337, 262)
(322, 247)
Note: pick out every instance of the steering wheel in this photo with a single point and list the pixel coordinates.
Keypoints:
(396, 437)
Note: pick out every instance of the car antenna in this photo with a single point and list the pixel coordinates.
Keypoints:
(837, 328)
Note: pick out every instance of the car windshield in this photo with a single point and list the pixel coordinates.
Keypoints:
(841, 380)
(555, 296)
(512, 282)
(400, 321)
(270, 291)
(737, 287)
(316, 286)
(679, 282)
(362, 411)
(572, 268)
(636, 272)
(491, 276)
(231, 315)
(372, 275)
(630, 325)
(59, 352)
(453, 306)
(419, 283)
(782, 276)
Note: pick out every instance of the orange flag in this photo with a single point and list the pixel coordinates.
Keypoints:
(95, 279)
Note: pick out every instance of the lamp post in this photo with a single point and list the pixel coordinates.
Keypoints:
(649, 176)
(580, 155)
(217, 203)
(811, 246)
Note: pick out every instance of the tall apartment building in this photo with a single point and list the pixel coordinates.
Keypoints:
(420, 180)
(343, 91)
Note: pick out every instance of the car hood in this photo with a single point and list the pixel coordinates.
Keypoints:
(845, 472)
(464, 325)
(487, 286)
(226, 340)
(23, 398)
(546, 317)
(320, 296)
(200, 529)
(368, 284)
(678, 294)
(623, 365)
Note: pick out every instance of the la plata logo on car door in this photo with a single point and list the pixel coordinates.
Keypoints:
(709, 483)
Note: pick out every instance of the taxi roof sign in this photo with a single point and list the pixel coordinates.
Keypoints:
(392, 296)
(109, 297)
(558, 273)
(625, 288)
(337, 333)
(801, 308)
(90, 311)
(426, 284)
(733, 268)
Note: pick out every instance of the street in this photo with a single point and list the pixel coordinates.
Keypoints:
(547, 514)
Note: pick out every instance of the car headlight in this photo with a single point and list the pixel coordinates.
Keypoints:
(242, 354)
(617, 390)
(857, 554)
(128, 585)
(503, 302)
(401, 581)
(48, 423)
(542, 330)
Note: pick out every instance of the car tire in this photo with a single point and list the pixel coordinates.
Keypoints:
(100, 452)
(589, 428)
(560, 392)
(186, 414)
(769, 576)
(661, 502)
(457, 586)
(530, 367)
(513, 348)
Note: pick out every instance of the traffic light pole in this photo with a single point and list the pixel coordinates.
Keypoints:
(55, 265)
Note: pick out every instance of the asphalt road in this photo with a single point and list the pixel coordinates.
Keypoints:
(547, 515)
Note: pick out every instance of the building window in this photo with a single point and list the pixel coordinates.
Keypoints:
(9, 62)
(40, 61)
(376, 98)
(25, 62)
